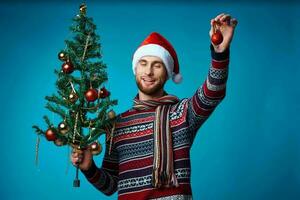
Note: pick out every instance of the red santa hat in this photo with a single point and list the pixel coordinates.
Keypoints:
(156, 45)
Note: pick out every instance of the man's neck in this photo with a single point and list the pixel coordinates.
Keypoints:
(143, 96)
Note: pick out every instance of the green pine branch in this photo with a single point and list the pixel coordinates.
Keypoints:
(56, 109)
(38, 130)
(55, 99)
(47, 121)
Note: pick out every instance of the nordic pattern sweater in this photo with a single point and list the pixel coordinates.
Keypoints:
(128, 169)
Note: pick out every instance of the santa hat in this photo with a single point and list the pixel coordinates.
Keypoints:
(156, 45)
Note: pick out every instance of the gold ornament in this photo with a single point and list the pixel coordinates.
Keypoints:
(111, 114)
(62, 56)
(96, 148)
(63, 128)
(59, 142)
(73, 97)
(82, 9)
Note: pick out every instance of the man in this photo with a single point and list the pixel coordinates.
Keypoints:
(149, 154)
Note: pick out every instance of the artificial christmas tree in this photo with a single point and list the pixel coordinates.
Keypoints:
(82, 102)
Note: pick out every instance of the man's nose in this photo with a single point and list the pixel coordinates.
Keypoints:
(149, 70)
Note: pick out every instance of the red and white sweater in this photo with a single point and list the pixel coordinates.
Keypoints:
(128, 169)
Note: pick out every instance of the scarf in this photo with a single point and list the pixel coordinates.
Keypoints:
(163, 164)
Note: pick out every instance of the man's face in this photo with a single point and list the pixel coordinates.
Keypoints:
(150, 75)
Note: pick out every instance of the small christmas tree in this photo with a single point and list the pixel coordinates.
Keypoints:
(82, 101)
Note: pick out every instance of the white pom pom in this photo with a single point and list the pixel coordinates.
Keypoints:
(177, 78)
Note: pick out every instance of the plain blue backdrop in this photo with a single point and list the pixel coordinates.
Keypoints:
(248, 149)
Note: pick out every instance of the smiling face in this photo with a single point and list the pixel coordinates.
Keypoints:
(150, 75)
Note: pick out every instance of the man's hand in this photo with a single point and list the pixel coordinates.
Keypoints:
(82, 158)
(227, 26)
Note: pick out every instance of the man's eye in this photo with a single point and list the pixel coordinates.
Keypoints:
(157, 66)
(143, 63)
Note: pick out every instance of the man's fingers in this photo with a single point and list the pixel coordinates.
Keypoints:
(76, 160)
(225, 18)
(75, 150)
(76, 154)
(220, 19)
(233, 22)
(217, 18)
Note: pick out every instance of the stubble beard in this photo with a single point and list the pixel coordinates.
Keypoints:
(153, 90)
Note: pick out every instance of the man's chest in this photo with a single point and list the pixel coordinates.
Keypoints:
(134, 135)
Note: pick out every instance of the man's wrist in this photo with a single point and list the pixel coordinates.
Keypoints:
(91, 170)
(219, 55)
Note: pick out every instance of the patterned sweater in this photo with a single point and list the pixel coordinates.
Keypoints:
(128, 169)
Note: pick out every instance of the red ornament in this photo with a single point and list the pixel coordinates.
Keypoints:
(91, 95)
(103, 93)
(50, 134)
(217, 38)
(67, 67)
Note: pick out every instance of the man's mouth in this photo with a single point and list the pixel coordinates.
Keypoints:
(148, 81)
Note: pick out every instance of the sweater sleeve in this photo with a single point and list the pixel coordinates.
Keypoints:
(210, 93)
(105, 179)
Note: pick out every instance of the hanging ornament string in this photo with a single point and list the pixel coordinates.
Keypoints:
(75, 128)
(90, 134)
(37, 150)
(73, 89)
(65, 118)
(72, 86)
(85, 46)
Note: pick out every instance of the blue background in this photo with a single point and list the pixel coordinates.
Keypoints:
(248, 149)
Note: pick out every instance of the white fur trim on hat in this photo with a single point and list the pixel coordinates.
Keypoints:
(177, 78)
(154, 50)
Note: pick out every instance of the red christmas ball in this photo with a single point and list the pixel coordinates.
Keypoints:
(103, 93)
(50, 134)
(217, 38)
(91, 95)
(67, 67)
